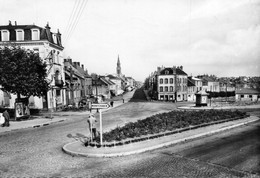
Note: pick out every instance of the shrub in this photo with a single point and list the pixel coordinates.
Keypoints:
(168, 122)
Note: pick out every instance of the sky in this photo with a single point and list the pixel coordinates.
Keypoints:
(218, 37)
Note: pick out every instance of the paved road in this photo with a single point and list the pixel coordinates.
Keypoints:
(37, 152)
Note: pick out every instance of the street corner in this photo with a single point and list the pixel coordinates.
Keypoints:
(77, 148)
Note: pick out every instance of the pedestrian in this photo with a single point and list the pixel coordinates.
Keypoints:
(7, 119)
(92, 126)
(123, 100)
(111, 103)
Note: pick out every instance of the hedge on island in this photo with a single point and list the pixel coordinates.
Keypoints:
(170, 121)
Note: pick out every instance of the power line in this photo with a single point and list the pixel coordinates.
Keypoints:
(73, 27)
(82, 7)
(72, 17)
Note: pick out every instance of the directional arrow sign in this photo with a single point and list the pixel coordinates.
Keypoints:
(99, 105)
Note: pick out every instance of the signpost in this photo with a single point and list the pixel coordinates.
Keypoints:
(100, 106)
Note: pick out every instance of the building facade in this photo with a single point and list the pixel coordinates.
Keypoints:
(48, 45)
(172, 84)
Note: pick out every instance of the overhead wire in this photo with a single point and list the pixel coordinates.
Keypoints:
(74, 13)
(83, 4)
(71, 17)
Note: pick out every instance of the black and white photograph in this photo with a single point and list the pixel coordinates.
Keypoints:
(130, 88)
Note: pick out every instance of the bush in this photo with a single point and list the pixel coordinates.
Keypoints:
(168, 122)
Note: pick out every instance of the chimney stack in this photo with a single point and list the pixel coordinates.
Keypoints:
(174, 69)
(82, 66)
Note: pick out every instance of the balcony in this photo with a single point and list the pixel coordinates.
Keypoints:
(59, 83)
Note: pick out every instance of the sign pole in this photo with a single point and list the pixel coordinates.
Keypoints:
(101, 135)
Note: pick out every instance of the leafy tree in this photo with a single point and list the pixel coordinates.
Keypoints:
(22, 72)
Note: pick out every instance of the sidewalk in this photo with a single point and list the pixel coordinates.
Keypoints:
(78, 149)
(45, 119)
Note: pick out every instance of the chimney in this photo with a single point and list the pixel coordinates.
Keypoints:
(70, 60)
(78, 64)
(75, 64)
(48, 32)
(10, 23)
(158, 69)
(82, 66)
(174, 69)
(15, 23)
(181, 67)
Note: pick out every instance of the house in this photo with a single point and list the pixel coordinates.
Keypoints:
(191, 90)
(75, 82)
(194, 86)
(48, 44)
(102, 88)
(247, 94)
(172, 84)
(118, 84)
(209, 84)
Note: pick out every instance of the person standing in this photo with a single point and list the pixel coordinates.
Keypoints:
(111, 103)
(92, 126)
(7, 119)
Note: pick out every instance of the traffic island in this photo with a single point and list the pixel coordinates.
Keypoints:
(156, 141)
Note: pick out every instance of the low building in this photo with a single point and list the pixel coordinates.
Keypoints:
(247, 94)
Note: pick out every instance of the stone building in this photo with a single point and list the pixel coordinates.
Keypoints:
(49, 46)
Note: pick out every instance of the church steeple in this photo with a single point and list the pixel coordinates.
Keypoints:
(118, 67)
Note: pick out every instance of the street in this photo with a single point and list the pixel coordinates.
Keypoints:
(36, 152)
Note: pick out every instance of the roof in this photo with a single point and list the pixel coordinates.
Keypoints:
(248, 91)
(171, 72)
(108, 82)
(190, 83)
(113, 77)
(45, 33)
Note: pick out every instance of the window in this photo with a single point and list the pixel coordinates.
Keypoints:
(161, 80)
(35, 34)
(166, 81)
(171, 80)
(250, 96)
(171, 88)
(161, 89)
(5, 35)
(54, 37)
(242, 96)
(166, 89)
(19, 35)
(166, 72)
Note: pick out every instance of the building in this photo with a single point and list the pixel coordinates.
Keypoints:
(209, 84)
(194, 86)
(48, 44)
(75, 81)
(247, 94)
(191, 90)
(172, 84)
(118, 84)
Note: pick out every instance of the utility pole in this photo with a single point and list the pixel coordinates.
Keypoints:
(71, 88)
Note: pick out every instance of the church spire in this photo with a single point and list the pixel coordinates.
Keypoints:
(118, 67)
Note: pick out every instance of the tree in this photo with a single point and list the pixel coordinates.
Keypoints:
(22, 72)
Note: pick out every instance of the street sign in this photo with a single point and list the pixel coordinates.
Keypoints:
(99, 105)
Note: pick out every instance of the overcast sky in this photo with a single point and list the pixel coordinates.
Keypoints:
(220, 37)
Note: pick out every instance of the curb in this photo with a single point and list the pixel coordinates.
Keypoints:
(33, 126)
(75, 153)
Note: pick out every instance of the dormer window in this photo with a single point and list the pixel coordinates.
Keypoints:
(166, 72)
(19, 35)
(5, 35)
(54, 36)
(35, 34)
